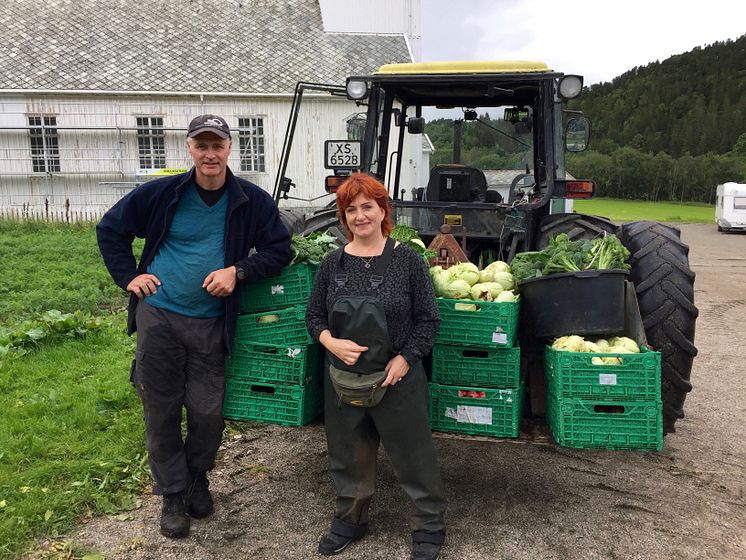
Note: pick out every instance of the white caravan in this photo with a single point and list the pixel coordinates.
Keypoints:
(730, 207)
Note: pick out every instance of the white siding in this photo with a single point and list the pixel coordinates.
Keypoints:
(98, 149)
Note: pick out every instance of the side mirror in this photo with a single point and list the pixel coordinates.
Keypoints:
(577, 134)
(416, 125)
(285, 185)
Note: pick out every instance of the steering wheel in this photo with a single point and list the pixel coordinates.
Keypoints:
(514, 186)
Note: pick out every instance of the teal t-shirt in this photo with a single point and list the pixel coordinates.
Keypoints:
(194, 247)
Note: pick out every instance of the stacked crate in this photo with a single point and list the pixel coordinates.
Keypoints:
(274, 372)
(594, 405)
(476, 386)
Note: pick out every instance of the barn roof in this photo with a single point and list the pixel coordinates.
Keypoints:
(231, 46)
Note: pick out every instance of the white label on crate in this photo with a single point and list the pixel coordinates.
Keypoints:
(293, 352)
(607, 378)
(499, 337)
(471, 414)
(278, 289)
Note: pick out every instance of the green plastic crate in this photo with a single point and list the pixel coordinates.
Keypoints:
(492, 325)
(285, 327)
(478, 367)
(606, 424)
(290, 288)
(273, 403)
(497, 413)
(272, 363)
(574, 375)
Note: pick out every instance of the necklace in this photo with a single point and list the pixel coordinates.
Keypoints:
(366, 261)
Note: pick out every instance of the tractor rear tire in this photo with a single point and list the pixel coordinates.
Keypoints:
(664, 285)
(576, 226)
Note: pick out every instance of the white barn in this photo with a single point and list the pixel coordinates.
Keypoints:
(95, 96)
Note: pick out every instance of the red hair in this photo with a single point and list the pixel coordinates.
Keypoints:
(361, 183)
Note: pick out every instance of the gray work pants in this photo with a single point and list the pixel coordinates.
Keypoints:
(179, 364)
(401, 422)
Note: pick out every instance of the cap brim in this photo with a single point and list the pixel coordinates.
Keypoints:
(211, 129)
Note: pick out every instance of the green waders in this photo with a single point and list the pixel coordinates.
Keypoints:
(401, 420)
(401, 423)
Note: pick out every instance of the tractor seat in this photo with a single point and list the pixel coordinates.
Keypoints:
(456, 183)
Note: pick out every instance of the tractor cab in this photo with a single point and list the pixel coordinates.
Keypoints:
(504, 170)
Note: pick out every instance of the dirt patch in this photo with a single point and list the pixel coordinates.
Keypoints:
(506, 499)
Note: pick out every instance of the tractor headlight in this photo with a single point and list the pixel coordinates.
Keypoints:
(357, 89)
(570, 86)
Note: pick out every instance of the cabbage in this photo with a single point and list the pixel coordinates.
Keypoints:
(457, 289)
(486, 276)
(603, 345)
(505, 296)
(497, 266)
(505, 279)
(440, 280)
(624, 342)
(480, 291)
(465, 307)
(572, 343)
(605, 361)
(464, 271)
(591, 347)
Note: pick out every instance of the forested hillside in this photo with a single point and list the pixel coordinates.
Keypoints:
(671, 130)
(690, 103)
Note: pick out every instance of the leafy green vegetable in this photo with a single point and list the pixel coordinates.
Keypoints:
(312, 248)
(564, 255)
(409, 236)
(608, 252)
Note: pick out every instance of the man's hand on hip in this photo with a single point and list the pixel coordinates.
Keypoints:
(143, 285)
(221, 283)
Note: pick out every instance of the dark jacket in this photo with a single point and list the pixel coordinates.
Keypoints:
(252, 222)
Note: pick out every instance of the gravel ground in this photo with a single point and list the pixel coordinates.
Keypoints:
(507, 499)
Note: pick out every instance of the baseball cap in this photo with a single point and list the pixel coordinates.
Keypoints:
(209, 123)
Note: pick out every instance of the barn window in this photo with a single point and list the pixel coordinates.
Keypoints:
(251, 143)
(45, 145)
(151, 142)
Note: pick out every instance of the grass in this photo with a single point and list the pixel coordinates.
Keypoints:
(71, 443)
(53, 266)
(71, 434)
(631, 210)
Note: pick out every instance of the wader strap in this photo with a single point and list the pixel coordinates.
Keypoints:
(376, 277)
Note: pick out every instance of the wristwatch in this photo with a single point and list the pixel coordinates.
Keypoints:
(240, 272)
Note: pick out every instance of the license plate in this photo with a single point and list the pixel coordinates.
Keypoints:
(342, 154)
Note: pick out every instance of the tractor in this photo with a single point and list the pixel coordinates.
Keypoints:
(376, 126)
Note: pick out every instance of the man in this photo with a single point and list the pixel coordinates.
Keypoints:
(199, 228)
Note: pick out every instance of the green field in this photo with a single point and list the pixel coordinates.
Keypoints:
(71, 436)
(631, 210)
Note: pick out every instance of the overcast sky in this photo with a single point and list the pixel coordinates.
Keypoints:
(597, 39)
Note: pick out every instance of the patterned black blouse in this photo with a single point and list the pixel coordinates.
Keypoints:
(407, 295)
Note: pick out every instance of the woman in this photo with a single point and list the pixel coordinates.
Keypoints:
(349, 334)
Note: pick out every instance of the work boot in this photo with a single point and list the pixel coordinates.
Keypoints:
(174, 519)
(332, 543)
(425, 551)
(199, 500)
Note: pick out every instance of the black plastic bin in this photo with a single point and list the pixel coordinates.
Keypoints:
(590, 302)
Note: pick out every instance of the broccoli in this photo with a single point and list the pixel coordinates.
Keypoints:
(313, 248)
(528, 265)
(565, 255)
(608, 252)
